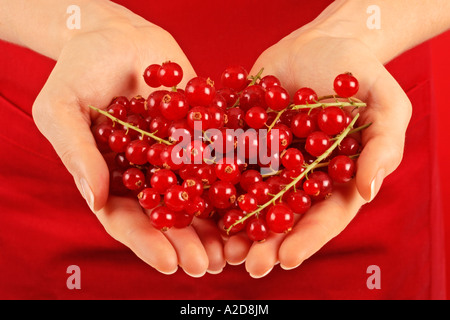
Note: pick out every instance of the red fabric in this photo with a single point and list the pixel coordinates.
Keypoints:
(45, 225)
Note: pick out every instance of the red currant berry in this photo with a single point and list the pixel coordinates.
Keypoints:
(230, 218)
(277, 98)
(200, 91)
(341, 169)
(193, 186)
(235, 118)
(176, 198)
(247, 202)
(325, 184)
(196, 152)
(292, 158)
(249, 178)
(170, 74)
(154, 154)
(118, 111)
(102, 132)
(154, 101)
(256, 117)
(298, 201)
(119, 140)
(331, 120)
(346, 85)
(151, 75)
(269, 81)
(261, 191)
(174, 106)
(206, 173)
(159, 126)
(172, 159)
(116, 186)
(136, 152)
(257, 230)
(280, 136)
(222, 194)
(317, 143)
(196, 206)
(138, 105)
(162, 218)
(182, 220)
(305, 96)
(280, 218)
(217, 118)
(120, 100)
(162, 180)
(227, 170)
(229, 95)
(349, 146)
(133, 179)
(199, 116)
(149, 198)
(253, 96)
(235, 77)
(302, 125)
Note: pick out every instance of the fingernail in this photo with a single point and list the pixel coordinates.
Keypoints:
(262, 275)
(290, 268)
(87, 193)
(376, 183)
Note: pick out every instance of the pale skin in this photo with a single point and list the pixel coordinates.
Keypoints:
(310, 56)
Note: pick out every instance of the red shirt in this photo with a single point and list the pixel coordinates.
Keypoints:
(46, 226)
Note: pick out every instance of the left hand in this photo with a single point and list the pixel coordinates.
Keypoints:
(312, 58)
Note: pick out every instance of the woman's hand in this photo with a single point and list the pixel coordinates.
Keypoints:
(312, 58)
(92, 68)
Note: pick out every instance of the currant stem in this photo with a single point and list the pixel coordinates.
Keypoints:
(130, 126)
(310, 167)
(330, 104)
(275, 120)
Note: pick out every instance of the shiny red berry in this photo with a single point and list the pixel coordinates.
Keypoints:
(277, 98)
(280, 218)
(151, 75)
(149, 198)
(305, 96)
(133, 179)
(341, 169)
(346, 85)
(170, 74)
(162, 218)
(235, 77)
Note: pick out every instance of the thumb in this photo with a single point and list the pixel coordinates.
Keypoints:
(62, 121)
(389, 110)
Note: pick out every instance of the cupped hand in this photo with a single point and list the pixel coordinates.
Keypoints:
(312, 58)
(92, 68)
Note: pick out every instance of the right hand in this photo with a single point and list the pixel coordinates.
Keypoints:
(92, 68)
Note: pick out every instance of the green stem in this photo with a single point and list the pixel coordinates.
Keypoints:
(310, 167)
(330, 104)
(130, 126)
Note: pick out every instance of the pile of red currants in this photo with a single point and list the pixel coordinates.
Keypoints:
(247, 154)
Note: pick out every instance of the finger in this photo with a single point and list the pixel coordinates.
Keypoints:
(191, 254)
(263, 256)
(60, 119)
(324, 221)
(389, 111)
(212, 242)
(236, 248)
(125, 221)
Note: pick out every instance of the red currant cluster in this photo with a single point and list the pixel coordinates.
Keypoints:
(161, 148)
